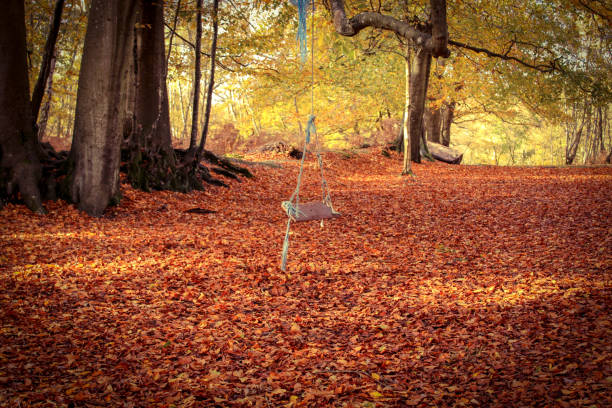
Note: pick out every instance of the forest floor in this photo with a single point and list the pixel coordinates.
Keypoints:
(467, 286)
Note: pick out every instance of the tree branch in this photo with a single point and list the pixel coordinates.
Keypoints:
(548, 67)
(192, 45)
(351, 27)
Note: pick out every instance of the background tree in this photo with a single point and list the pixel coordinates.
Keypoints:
(427, 39)
(152, 160)
(20, 171)
(48, 63)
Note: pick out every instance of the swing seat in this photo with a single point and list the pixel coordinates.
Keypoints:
(316, 210)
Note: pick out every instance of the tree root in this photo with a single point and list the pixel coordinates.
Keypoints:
(145, 170)
(212, 158)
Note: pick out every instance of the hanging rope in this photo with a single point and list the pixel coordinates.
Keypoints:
(301, 33)
(290, 207)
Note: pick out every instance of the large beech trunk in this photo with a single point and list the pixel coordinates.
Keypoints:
(20, 170)
(153, 163)
(95, 153)
(152, 160)
(419, 80)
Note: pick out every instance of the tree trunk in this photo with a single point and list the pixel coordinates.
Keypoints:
(20, 170)
(95, 153)
(574, 131)
(439, 29)
(196, 78)
(406, 167)
(152, 161)
(49, 55)
(127, 113)
(44, 117)
(448, 113)
(211, 80)
(176, 14)
(419, 79)
(433, 124)
(183, 112)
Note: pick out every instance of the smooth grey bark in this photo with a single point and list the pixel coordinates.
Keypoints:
(352, 26)
(48, 57)
(211, 79)
(151, 105)
(95, 152)
(20, 170)
(197, 74)
(127, 115)
(419, 81)
(439, 29)
(152, 160)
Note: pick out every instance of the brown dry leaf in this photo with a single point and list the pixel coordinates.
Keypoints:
(475, 285)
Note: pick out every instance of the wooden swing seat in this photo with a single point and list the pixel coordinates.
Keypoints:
(316, 210)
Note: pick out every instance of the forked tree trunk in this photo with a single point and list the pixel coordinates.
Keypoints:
(419, 80)
(20, 170)
(95, 153)
(426, 44)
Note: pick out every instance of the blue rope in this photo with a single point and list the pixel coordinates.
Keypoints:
(310, 126)
(301, 33)
(293, 210)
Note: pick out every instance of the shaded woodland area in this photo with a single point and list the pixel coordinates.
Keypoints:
(148, 150)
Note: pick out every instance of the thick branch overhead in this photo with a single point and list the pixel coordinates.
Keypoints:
(352, 26)
(548, 67)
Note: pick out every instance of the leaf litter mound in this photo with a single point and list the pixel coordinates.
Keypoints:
(467, 286)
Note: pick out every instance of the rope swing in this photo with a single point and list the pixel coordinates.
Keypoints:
(317, 210)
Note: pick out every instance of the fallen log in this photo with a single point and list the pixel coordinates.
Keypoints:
(444, 154)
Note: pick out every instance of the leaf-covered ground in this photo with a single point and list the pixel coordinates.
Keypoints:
(469, 286)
